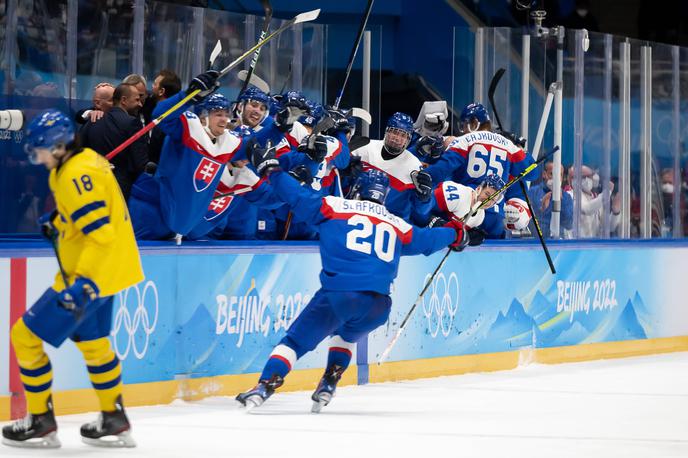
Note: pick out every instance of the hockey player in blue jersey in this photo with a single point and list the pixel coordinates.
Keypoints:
(193, 158)
(478, 153)
(361, 243)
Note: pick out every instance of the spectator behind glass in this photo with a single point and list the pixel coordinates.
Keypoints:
(165, 85)
(592, 205)
(113, 129)
(139, 82)
(102, 102)
(541, 197)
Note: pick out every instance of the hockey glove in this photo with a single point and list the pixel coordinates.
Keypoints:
(206, 83)
(423, 183)
(516, 214)
(315, 147)
(263, 158)
(339, 121)
(461, 235)
(48, 229)
(430, 147)
(301, 174)
(77, 296)
(354, 169)
(291, 109)
(515, 139)
(476, 236)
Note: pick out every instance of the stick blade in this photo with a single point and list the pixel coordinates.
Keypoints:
(360, 113)
(215, 52)
(307, 16)
(495, 81)
(254, 80)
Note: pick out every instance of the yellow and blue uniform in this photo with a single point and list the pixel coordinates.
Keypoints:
(96, 242)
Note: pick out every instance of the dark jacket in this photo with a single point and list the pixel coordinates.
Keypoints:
(109, 132)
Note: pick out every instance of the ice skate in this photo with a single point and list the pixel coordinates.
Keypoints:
(260, 393)
(33, 431)
(324, 393)
(111, 429)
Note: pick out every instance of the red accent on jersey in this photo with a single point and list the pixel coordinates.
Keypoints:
(440, 199)
(191, 143)
(394, 182)
(292, 141)
(329, 213)
(335, 153)
(462, 152)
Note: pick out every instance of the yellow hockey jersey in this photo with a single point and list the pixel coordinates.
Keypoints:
(96, 237)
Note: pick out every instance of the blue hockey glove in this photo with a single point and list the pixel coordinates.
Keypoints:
(291, 109)
(48, 229)
(264, 159)
(423, 183)
(314, 146)
(301, 174)
(77, 296)
(430, 147)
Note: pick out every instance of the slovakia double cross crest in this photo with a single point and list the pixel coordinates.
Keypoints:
(205, 173)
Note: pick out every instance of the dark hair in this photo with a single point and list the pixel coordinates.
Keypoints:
(170, 82)
(122, 90)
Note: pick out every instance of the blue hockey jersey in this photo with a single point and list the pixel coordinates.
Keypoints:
(361, 242)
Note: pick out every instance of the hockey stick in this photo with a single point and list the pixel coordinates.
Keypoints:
(493, 86)
(251, 68)
(215, 52)
(489, 199)
(254, 80)
(266, 26)
(299, 18)
(361, 29)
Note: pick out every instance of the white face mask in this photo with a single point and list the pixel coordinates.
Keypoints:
(550, 184)
(668, 188)
(586, 184)
(595, 181)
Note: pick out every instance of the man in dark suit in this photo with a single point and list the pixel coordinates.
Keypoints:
(116, 126)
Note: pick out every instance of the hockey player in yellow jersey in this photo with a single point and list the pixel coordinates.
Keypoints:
(94, 242)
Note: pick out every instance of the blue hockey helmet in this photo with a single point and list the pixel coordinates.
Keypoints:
(494, 183)
(473, 111)
(371, 185)
(253, 93)
(398, 133)
(214, 102)
(48, 129)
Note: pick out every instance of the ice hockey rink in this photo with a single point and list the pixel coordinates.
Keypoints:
(632, 407)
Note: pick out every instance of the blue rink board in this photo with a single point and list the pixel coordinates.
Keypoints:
(218, 308)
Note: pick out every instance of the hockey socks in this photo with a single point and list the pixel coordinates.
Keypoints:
(104, 370)
(35, 370)
(280, 362)
(340, 352)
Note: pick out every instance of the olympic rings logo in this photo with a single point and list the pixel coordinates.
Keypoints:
(442, 305)
(139, 329)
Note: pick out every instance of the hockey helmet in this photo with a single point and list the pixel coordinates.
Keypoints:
(473, 111)
(253, 93)
(494, 182)
(212, 103)
(48, 129)
(371, 185)
(398, 133)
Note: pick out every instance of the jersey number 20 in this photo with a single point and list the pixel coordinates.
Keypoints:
(383, 244)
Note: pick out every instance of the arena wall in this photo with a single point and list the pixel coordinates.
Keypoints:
(207, 316)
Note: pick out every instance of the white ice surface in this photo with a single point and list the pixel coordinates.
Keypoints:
(634, 407)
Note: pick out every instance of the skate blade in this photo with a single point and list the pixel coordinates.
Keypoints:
(48, 441)
(253, 402)
(122, 440)
(323, 400)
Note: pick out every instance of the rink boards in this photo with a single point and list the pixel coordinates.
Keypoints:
(206, 317)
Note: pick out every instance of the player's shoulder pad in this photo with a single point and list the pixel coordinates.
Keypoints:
(454, 198)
